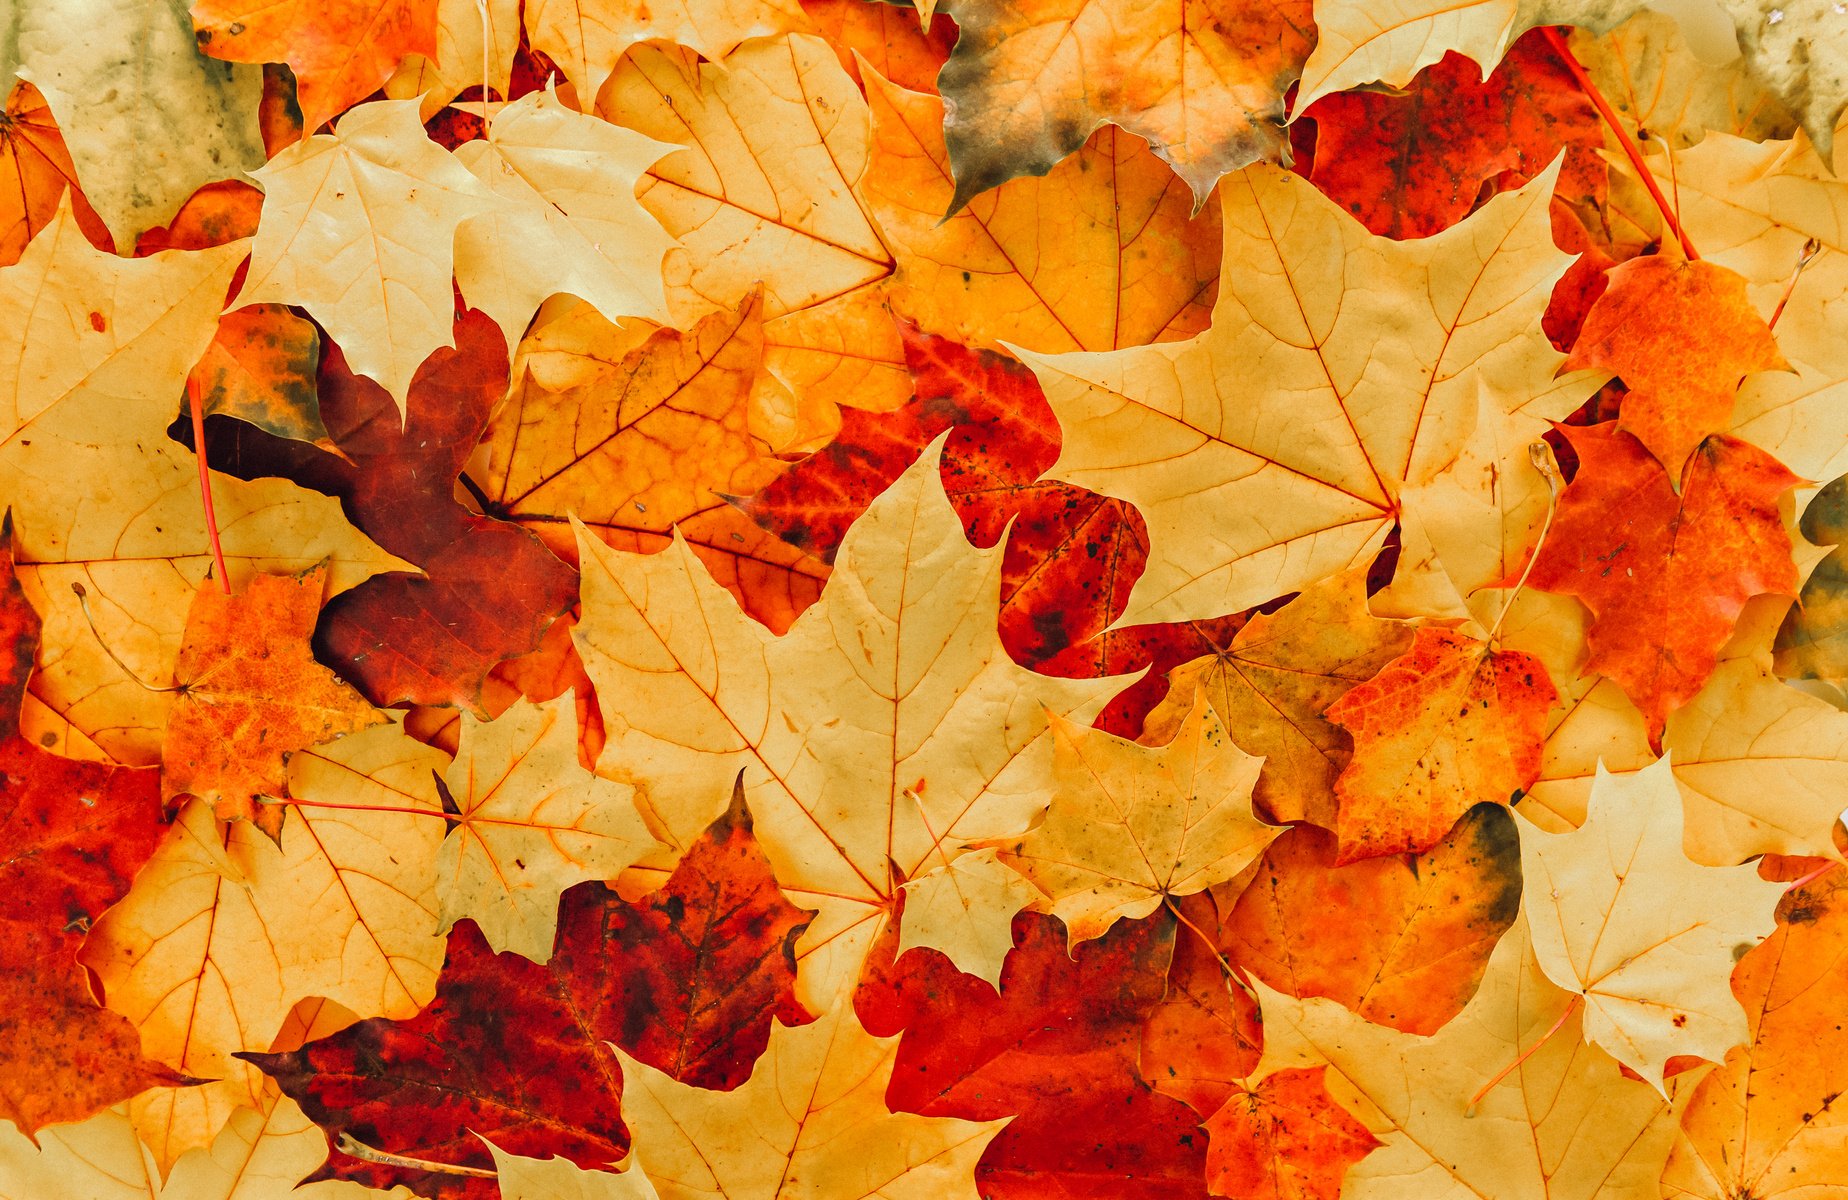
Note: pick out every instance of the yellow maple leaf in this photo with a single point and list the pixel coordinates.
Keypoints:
(196, 956)
(359, 228)
(530, 823)
(887, 728)
(1563, 1125)
(1340, 369)
(1130, 825)
(811, 1122)
(94, 351)
(1621, 917)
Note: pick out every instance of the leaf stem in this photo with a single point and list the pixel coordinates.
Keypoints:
(353, 1148)
(1811, 248)
(83, 602)
(205, 485)
(1812, 877)
(1630, 149)
(1201, 934)
(1526, 1054)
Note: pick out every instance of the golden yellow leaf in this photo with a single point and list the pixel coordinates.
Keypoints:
(1272, 685)
(635, 432)
(1130, 824)
(587, 38)
(216, 941)
(1203, 82)
(776, 138)
(1660, 81)
(1100, 254)
(1620, 916)
(811, 1122)
(887, 727)
(359, 228)
(94, 351)
(1564, 1125)
(966, 910)
(523, 1178)
(1340, 369)
(570, 222)
(531, 823)
(1762, 767)
(465, 29)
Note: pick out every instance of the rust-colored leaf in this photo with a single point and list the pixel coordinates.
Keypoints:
(1284, 1139)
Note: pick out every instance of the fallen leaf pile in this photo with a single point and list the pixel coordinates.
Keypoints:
(937, 600)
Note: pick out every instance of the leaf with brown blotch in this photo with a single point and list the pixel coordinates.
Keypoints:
(1402, 941)
(341, 51)
(1204, 83)
(1412, 162)
(1375, 356)
(1273, 684)
(1285, 1139)
(1564, 1124)
(1682, 335)
(91, 377)
(260, 368)
(1103, 253)
(251, 694)
(72, 836)
(639, 433)
(1622, 918)
(811, 1123)
(1812, 643)
(1664, 575)
(529, 823)
(1130, 825)
(35, 173)
(1769, 1122)
(903, 637)
(1449, 724)
(1055, 1049)
(686, 980)
(197, 957)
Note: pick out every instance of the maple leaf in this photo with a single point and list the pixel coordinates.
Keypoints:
(568, 183)
(1665, 79)
(1103, 253)
(1447, 724)
(1030, 81)
(960, 910)
(947, 743)
(530, 822)
(1055, 1048)
(1284, 1139)
(687, 980)
(1402, 942)
(146, 117)
(37, 172)
(1130, 825)
(841, 1141)
(475, 47)
(260, 369)
(1682, 335)
(359, 227)
(251, 694)
(1203, 1038)
(1760, 765)
(193, 956)
(1809, 642)
(636, 432)
(1564, 1124)
(1413, 163)
(522, 1178)
(1665, 575)
(1273, 684)
(340, 52)
(1255, 484)
(1767, 1123)
(1621, 917)
(97, 349)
